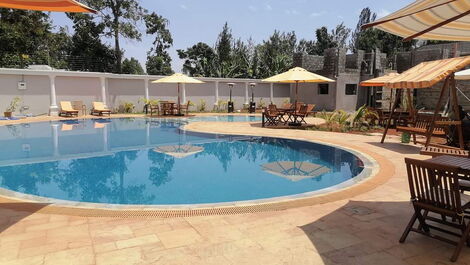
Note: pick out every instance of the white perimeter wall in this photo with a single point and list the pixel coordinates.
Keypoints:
(86, 87)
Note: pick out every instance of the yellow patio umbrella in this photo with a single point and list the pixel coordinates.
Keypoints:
(47, 5)
(297, 75)
(178, 79)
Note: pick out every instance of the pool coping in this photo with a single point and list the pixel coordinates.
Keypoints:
(373, 174)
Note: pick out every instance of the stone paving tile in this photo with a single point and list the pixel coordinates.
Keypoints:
(361, 229)
(76, 256)
(179, 237)
(128, 256)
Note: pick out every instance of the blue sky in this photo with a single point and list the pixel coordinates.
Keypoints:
(192, 21)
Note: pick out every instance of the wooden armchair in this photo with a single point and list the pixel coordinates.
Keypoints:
(272, 116)
(184, 108)
(435, 189)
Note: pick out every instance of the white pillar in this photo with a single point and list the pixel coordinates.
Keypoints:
(53, 108)
(146, 89)
(216, 93)
(271, 92)
(55, 138)
(183, 94)
(246, 93)
(103, 89)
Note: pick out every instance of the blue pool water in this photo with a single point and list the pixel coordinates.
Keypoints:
(152, 161)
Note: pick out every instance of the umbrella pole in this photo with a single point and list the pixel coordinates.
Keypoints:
(296, 100)
(179, 109)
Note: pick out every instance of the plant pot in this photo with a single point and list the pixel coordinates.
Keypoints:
(7, 114)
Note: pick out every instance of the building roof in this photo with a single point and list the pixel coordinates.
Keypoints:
(430, 20)
(379, 81)
(428, 73)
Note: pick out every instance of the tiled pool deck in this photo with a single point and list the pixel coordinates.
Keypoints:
(360, 225)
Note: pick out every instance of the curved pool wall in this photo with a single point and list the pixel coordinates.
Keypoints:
(127, 162)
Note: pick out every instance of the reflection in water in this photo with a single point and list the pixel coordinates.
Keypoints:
(179, 151)
(294, 170)
(138, 161)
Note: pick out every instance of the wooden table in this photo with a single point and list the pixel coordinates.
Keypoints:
(460, 162)
(168, 108)
(286, 111)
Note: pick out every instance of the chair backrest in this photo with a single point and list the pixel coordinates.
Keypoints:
(310, 107)
(303, 110)
(272, 107)
(97, 105)
(287, 106)
(298, 105)
(434, 186)
(66, 105)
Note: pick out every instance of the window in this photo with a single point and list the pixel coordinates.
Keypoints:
(351, 89)
(323, 89)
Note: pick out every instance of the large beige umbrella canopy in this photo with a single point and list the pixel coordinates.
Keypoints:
(429, 20)
(47, 5)
(295, 170)
(297, 75)
(178, 79)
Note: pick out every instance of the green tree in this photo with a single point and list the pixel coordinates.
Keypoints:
(369, 39)
(223, 47)
(132, 66)
(26, 37)
(120, 18)
(198, 60)
(87, 51)
(158, 58)
(275, 54)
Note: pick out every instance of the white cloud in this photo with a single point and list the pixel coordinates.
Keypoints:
(291, 12)
(183, 6)
(268, 7)
(317, 14)
(383, 13)
(252, 8)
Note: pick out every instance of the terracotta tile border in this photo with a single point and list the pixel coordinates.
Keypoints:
(384, 172)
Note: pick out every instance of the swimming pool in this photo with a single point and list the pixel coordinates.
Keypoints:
(141, 161)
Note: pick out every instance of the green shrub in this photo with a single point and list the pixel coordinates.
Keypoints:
(126, 107)
(202, 105)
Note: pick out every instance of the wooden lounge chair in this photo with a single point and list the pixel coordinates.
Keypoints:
(435, 189)
(100, 109)
(420, 126)
(66, 109)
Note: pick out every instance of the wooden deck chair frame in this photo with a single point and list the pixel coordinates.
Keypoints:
(99, 110)
(435, 188)
(66, 109)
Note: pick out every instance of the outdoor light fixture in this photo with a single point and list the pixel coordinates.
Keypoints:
(252, 108)
(230, 104)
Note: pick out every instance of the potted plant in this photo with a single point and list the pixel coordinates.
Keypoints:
(12, 107)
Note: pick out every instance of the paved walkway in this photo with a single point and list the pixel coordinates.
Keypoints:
(363, 229)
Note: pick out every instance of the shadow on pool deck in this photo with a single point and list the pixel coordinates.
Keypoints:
(11, 213)
(363, 232)
(406, 149)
